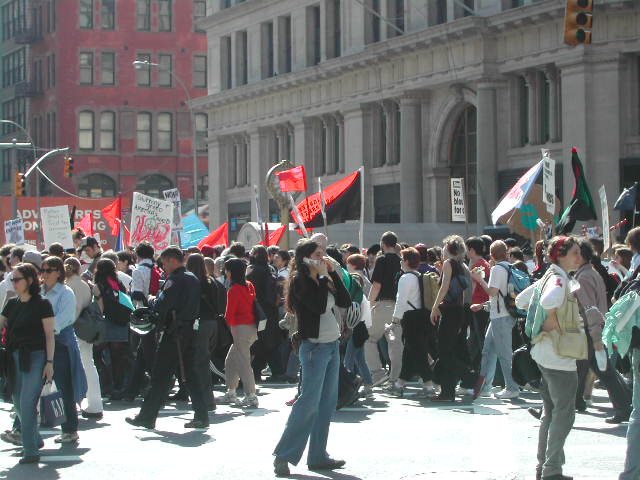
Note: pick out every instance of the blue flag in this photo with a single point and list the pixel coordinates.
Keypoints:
(193, 230)
(627, 199)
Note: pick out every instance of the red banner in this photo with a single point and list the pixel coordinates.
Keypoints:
(28, 211)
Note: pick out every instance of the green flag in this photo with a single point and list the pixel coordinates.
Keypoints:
(581, 206)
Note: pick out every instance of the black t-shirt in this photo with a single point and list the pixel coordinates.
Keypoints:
(385, 273)
(24, 326)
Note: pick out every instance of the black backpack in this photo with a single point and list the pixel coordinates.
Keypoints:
(632, 284)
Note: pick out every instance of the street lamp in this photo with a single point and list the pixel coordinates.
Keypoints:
(14, 144)
(139, 64)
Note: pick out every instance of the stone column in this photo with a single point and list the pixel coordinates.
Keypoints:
(552, 77)
(487, 151)
(328, 123)
(410, 159)
(340, 160)
(357, 151)
(217, 185)
(388, 108)
(258, 147)
(531, 80)
(281, 133)
(254, 55)
(303, 144)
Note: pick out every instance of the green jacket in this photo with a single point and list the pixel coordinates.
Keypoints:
(620, 320)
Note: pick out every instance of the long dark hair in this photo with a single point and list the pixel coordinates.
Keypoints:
(105, 269)
(259, 255)
(238, 269)
(29, 272)
(195, 264)
(304, 250)
(56, 264)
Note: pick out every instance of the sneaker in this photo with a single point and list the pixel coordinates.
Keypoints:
(392, 388)
(532, 387)
(249, 401)
(281, 467)
(465, 392)
(67, 438)
(12, 436)
(367, 391)
(588, 402)
(508, 394)
(227, 399)
(486, 393)
(381, 378)
(291, 402)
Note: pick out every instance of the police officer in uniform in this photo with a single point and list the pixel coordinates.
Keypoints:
(178, 308)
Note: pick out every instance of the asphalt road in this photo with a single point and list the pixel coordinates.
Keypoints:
(387, 438)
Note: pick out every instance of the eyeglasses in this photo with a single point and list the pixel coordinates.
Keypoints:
(16, 279)
(48, 270)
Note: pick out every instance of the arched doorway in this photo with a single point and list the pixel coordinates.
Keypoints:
(97, 185)
(154, 185)
(463, 157)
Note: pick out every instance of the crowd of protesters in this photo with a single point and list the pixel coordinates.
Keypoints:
(443, 315)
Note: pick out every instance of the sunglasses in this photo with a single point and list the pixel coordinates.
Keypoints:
(16, 279)
(48, 270)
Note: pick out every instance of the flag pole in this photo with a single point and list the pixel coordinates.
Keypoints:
(299, 220)
(256, 196)
(322, 206)
(361, 231)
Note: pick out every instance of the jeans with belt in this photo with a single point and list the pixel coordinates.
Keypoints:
(26, 393)
(310, 416)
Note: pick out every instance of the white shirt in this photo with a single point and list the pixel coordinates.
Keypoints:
(552, 297)
(408, 291)
(6, 287)
(141, 277)
(499, 279)
(283, 273)
(82, 292)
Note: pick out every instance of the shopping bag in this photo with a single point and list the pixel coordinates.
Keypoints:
(51, 406)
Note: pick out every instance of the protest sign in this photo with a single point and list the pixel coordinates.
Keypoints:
(173, 196)
(549, 182)
(14, 231)
(605, 218)
(55, 226)
(458, 213)
(151, 220)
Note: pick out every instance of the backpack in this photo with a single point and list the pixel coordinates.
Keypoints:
(355, 289)
(631, 284)
(154, 281)
(517, 281)
(430, 286)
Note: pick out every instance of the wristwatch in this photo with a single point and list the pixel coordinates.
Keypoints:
(49, 361)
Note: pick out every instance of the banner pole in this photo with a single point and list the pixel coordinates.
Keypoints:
(299, 220)
(256, 196)
(361, 231)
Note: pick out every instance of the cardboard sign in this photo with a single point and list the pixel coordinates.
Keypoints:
(14, 231)
(55, 226)
(549, 182)
(602, 192)
(458, 213)
(151, 220)
(524, 221)
(173, 196)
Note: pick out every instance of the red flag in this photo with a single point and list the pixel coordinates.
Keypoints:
(293, 180)
(274, 238)
(113, 215)
(220, 236)
(86, 224)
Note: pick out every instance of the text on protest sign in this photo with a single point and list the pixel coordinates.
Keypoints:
(14, 231)
(151, 221)
(549, 182)
(55, 226)
(458, 213)
(606, 234)
(173, 196)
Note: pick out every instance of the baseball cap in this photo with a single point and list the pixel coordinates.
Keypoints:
(34, 258)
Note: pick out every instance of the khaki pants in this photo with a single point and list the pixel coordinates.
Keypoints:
(382, 314)
(237, 365)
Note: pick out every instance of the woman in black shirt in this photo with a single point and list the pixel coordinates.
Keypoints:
(30, 323)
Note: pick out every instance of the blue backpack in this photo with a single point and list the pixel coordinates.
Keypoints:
(517, 281)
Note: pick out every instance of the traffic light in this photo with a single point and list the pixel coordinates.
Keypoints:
(20, 184)
(68, 166)
(577, 22)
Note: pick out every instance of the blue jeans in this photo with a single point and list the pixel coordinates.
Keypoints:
(632, 463)
(498, 347)
(311, 415)
(64, 384)
(354, 357)
(293, 365)
(26, 393)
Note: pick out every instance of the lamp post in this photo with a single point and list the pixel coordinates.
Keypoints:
(139, 64)
(14, 144)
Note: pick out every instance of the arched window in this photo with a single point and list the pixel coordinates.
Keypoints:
(154, 185)
(97, 185)
(463, 157)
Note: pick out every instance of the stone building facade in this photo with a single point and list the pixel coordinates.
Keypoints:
(417, 92)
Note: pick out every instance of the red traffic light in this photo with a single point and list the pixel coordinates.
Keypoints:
(578, 21)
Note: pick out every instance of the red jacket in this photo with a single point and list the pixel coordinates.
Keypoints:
(240, 309)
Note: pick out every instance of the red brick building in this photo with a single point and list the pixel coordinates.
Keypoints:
(127, 129)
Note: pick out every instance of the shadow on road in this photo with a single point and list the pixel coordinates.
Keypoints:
(187, 439)
(328, 474)
(619, 431)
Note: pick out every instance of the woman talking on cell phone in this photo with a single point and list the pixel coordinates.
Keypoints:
(314, 289)
(30, 324)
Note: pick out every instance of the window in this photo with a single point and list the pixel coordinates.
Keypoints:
(267, 50)
(86, 68)
(200, 71)
(284, 44)
(107, 131)
(199, 11)
(13, 110)
(463, 157)
(108, 14)
(52, 70)
(86, 13)
(313, 35)
(85, 130)
(165, 132)
(164, 70)
(143, 131)
(97, 185)
(53, 137)
(143, 15)
(386, 203)
(225, 63)
(108, 68)
(241, 58)
(165, 15)
(143, 72)
(202, 123)
(396, 14)
(545, 108)
(154, 185)
(14, 68)
(37, 75)
(52, 16)
(333, 29)
(203, 187)
(372, 25)
(14, 18)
